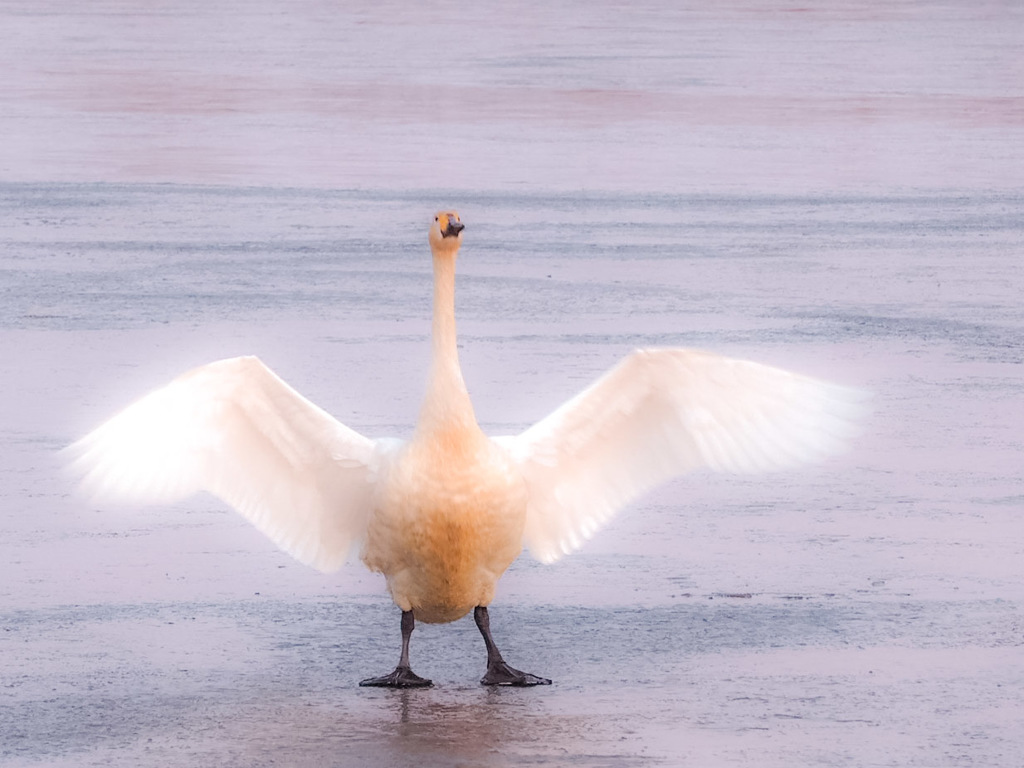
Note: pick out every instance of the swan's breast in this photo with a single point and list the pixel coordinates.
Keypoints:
(448, 522)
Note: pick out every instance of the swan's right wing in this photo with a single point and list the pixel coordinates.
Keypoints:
(660, 413)
(235, 429)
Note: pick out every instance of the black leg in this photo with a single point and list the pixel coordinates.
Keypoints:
(498, 672)
(403, 676)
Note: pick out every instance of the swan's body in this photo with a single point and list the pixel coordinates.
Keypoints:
(443, 515)
(447, 524)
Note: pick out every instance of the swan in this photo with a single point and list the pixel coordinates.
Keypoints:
(444, 514)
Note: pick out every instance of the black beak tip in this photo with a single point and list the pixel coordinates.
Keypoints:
(454, 227)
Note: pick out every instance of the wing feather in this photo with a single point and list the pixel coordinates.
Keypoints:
(660, 413)
(235, 429)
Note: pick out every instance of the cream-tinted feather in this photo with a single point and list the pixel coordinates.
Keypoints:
(235, 429)
(660, 413)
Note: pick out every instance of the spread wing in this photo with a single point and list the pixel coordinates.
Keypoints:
(660, 413)
(235, 429)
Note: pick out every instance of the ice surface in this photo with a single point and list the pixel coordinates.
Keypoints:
(834, 190)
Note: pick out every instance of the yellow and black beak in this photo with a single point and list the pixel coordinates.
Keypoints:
(453, 228)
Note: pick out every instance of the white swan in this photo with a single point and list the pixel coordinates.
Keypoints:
(443, 515)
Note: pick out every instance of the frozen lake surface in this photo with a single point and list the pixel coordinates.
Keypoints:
(838, 192)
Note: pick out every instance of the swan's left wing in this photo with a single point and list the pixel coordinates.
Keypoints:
(235, 429)
(660, 413)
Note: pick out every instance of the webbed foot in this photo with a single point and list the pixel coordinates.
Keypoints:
(501, 673)
(402, 677)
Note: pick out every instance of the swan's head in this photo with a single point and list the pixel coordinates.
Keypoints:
(446, 233)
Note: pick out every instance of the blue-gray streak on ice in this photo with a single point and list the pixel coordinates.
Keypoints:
(108, 257)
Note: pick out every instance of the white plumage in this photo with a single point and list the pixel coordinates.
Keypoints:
(235, 429)
(443, 515)
(660, 413)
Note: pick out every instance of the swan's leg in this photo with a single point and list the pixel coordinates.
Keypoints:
(403, 676)
(498, 672)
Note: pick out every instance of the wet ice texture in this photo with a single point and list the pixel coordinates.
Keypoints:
(726, 682)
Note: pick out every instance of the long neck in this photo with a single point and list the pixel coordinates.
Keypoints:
(447, 404)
